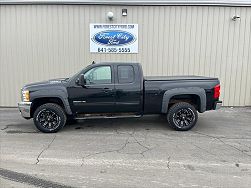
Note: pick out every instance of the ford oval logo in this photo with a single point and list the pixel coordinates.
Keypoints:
(114, 38)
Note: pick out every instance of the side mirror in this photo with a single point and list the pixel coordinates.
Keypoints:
(82, 80)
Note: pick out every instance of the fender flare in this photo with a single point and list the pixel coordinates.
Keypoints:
(55, 93)
(200, 92)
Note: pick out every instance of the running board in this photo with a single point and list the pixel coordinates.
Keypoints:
(107, 117)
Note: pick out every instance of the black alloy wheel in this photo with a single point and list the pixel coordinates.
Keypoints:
(182, 116)
(49, 118)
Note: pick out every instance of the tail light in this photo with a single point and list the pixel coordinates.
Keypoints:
(217, 91)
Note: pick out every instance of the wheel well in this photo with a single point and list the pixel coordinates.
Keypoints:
(40, 101)
(189, 98)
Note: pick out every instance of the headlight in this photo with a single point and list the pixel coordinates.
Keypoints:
(26, 96)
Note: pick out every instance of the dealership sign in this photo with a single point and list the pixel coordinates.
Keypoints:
(114, 38)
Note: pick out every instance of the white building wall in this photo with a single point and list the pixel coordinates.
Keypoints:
(38, 42)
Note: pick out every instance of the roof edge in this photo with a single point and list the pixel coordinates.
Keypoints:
(123, 2)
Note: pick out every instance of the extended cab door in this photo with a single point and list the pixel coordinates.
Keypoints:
(129, 89)
(98, 95)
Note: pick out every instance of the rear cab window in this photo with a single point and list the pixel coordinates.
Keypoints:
(125, 74)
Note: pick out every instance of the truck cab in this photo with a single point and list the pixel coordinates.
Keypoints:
(107, 88)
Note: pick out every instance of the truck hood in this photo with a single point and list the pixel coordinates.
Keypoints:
(44, 84)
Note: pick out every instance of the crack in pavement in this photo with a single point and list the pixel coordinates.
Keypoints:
(168, 162)
(203, 149)
(48, 146)
(140, 144)
(130, 135)
(107, 151)
(249, 147)
(236, 148)
(220, 139)
(6, 127)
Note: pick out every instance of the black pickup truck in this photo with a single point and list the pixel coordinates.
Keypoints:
(113, 90)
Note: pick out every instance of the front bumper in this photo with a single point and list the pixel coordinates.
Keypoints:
(217, 105)
(25, 109)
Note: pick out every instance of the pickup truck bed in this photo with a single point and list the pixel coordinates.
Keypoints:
(171, 78)
(177, 87)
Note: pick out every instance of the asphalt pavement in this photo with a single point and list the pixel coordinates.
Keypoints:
(141, 152)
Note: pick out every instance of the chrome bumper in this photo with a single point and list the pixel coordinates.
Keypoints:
(24, 108)
(218, 105)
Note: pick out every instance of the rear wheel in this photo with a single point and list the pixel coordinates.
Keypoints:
(182, 116)
(49, 118)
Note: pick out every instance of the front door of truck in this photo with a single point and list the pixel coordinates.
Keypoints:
(98, 95)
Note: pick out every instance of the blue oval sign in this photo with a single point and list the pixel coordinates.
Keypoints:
(114, 38)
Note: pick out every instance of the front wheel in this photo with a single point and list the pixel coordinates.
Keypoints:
(49, 118)
(182, 116)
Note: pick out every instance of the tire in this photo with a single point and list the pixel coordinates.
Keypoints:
(49, 118)
(182, 116)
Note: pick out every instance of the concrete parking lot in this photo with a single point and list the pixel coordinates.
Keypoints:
(141, 152)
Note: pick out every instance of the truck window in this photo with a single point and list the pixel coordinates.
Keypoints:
(125, 74)
(99, 75)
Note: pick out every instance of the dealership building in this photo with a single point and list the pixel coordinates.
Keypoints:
(45, 39)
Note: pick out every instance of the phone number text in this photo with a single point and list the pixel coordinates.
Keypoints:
(114, 50)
